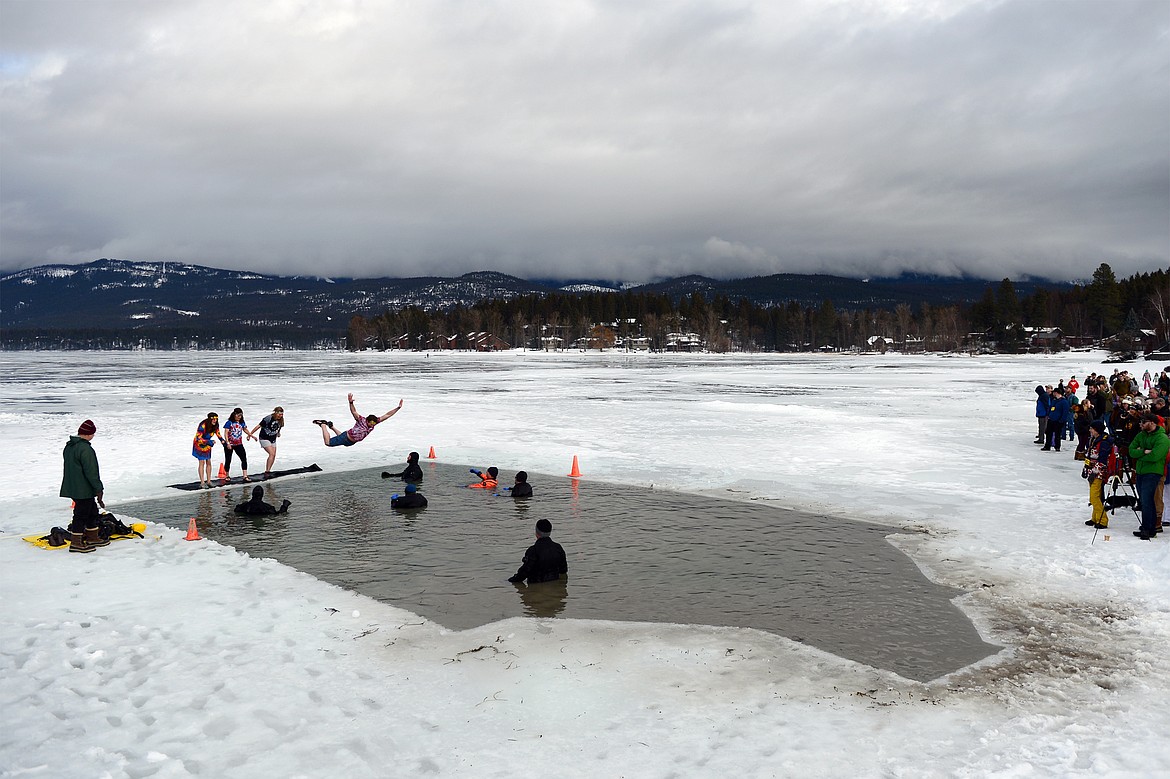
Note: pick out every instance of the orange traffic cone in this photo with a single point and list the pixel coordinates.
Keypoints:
(192, 531)
(431, 456)
(222, 472)
(576, 472)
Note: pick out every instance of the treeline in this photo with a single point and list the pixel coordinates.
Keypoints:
(1094, 310)
(1103, 307)
(170, 339)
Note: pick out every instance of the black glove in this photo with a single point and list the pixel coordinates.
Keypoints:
(476, 471)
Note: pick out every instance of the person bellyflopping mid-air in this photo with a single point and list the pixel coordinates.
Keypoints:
(363, 426)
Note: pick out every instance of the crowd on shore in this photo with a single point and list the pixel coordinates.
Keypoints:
(1120, 428)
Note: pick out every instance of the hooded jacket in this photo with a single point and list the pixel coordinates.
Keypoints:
(1158, 444)
(81, 479)
(1041, 401)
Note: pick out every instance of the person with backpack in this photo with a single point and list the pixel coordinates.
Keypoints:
(1148, 452)
(1098, 455)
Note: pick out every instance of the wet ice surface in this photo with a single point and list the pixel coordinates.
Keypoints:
(635, 554)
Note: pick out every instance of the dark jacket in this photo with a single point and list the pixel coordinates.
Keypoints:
(1041, 401)
(257, 505)
(411, 500)
(81, 479)
(522, 490)
(543, 562)
(1057, 409)
(410, 473)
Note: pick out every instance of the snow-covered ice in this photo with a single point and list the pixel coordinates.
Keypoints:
(169, 658)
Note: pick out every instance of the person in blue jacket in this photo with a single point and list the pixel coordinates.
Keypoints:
(1041, 413)
(1057, 411)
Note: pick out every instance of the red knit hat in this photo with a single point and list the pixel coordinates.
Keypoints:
(87, 428)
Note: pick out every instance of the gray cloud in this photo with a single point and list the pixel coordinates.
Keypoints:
(588, 139)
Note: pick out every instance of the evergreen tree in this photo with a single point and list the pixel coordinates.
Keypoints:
(1103, 301)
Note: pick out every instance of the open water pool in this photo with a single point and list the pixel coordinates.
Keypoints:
(635, 554)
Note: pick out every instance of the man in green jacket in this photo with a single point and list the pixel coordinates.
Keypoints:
(82, 482)
(1148, 452)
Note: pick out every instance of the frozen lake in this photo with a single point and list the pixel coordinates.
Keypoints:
(164, 657)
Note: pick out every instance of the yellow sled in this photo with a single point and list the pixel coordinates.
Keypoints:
(42, 541)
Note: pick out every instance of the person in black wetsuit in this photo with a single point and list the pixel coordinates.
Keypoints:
(257, 505)
(544, 561)
(522, 488)
(412, 471)
(413, 499)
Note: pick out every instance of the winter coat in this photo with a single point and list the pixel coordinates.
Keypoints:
(1057, 409)
(81, 479)
(1159, 445)
(543, 562)
(1041, 402)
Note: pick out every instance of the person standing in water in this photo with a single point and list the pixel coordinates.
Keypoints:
(413, 499)
(258, 506)
(270, 427)
(234, 430)
(411, 473)
(544, 561)
(202, 446)
(522, 488)
(363, 426)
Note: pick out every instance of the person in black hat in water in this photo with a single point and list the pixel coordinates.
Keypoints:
(413, 499)
(412, 471)
(544, 561)
(522, 488)
(257, 505)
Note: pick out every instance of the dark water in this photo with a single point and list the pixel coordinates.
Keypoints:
(634, 555)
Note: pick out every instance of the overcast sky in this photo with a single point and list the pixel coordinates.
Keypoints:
(612, 139)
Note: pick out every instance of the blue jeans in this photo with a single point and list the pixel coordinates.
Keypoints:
(1146, 484)
(341, 439)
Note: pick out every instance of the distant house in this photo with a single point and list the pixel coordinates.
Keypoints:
(1047, 338)
(551, 342)
(442, 342)
(683, 342)
(633, 343)
(913, 345)
(484, 342)
(879, 343)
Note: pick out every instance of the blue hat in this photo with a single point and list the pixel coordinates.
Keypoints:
(411, 488)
